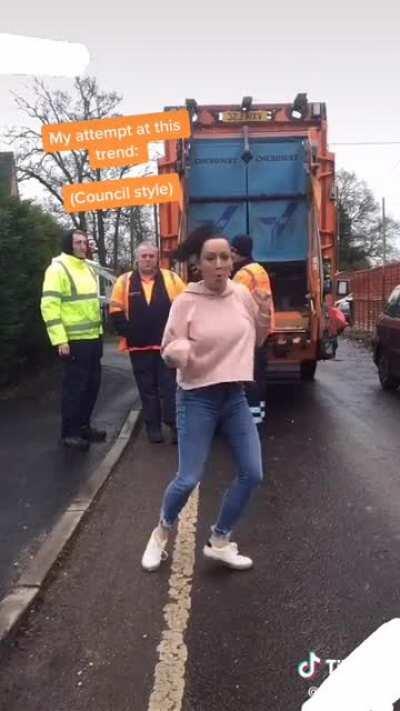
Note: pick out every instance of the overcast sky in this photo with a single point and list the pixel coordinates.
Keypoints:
(158, 53)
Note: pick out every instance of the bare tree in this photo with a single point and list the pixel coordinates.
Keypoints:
(360, 224)
(54, 170)
(136, 225)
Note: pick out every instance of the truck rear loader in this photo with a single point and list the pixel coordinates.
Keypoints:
(264, 170)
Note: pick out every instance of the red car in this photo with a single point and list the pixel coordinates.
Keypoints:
(387, 343)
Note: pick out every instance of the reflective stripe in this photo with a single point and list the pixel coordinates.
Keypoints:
(257, 414)
(53, 322)
(75, 297)
(253, 278)
(172, 283)
(80, 297)
(117, 305)
(57, 294)
(74, 290)
(259, 277)
(86, 326)
(92, 271)
(126, 284)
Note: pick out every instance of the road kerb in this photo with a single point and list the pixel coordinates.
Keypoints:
(48, 553)
(13, 607)
(17, 603)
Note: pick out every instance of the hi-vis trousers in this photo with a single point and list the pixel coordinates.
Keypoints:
(255, 391)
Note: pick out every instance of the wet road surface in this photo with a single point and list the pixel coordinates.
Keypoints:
(324, 532)
(38, 477)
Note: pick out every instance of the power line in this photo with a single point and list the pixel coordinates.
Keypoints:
(365, 143)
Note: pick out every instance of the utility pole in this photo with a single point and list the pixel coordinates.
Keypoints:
(155, 219)
(383, 230)
(383, 251)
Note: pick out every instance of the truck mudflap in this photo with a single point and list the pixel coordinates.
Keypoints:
(288, 354)
(291, 339)
(292, 352)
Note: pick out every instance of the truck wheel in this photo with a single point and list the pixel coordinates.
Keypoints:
(307, 370)
(388, 382)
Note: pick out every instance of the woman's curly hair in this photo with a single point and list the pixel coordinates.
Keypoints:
(194, 242)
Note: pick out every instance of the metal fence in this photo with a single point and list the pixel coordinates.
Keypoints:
(371, 289)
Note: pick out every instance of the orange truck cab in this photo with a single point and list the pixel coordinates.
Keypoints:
(265, 170)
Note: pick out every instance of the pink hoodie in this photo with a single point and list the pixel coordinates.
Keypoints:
(210, 338)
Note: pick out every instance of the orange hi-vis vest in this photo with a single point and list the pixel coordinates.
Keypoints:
(254, 277)
(120, 297)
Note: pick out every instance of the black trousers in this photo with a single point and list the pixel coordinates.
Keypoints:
(157, 387)
(80, 385)
(255, 391)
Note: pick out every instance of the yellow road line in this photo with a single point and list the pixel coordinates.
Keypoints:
(169, 674)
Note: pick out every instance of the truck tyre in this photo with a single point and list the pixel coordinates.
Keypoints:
(307, 369)
(387, 381)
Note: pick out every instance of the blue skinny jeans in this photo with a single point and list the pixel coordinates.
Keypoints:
(198, 414)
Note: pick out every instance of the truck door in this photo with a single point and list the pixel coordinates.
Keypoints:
(277, 200)
(217, 185)
(264, 196)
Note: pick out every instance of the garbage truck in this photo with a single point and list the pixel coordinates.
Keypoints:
(264, 169)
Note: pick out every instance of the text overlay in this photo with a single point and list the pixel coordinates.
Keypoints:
(111, 194)
(103, 133)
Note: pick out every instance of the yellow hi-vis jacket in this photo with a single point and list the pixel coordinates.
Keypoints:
(70, 302)
(254, 276)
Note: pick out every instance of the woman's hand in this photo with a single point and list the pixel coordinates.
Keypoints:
(176, 353)
(169, 361)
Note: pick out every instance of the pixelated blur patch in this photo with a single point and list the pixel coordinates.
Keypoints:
(368, 679)
(22, 55)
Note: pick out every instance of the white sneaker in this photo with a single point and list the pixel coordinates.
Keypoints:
(228, 555)
(154, 552)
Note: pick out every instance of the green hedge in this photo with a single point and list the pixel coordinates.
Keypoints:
(29, 238)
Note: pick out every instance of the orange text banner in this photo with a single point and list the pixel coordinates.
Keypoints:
(119, 155)
(112, 194)
(103, 133)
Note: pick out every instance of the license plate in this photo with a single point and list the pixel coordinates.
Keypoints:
(245, 116)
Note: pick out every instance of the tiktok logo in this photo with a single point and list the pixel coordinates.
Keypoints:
(310, 667)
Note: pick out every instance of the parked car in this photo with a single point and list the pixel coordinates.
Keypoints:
(387, 343)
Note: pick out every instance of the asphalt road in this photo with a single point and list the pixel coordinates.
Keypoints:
(324, 532)
(38, 477)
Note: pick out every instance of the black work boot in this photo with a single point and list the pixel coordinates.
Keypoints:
(260, 429)
(173, 435)
(91, 434)
(76, 443)
(154, 434)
